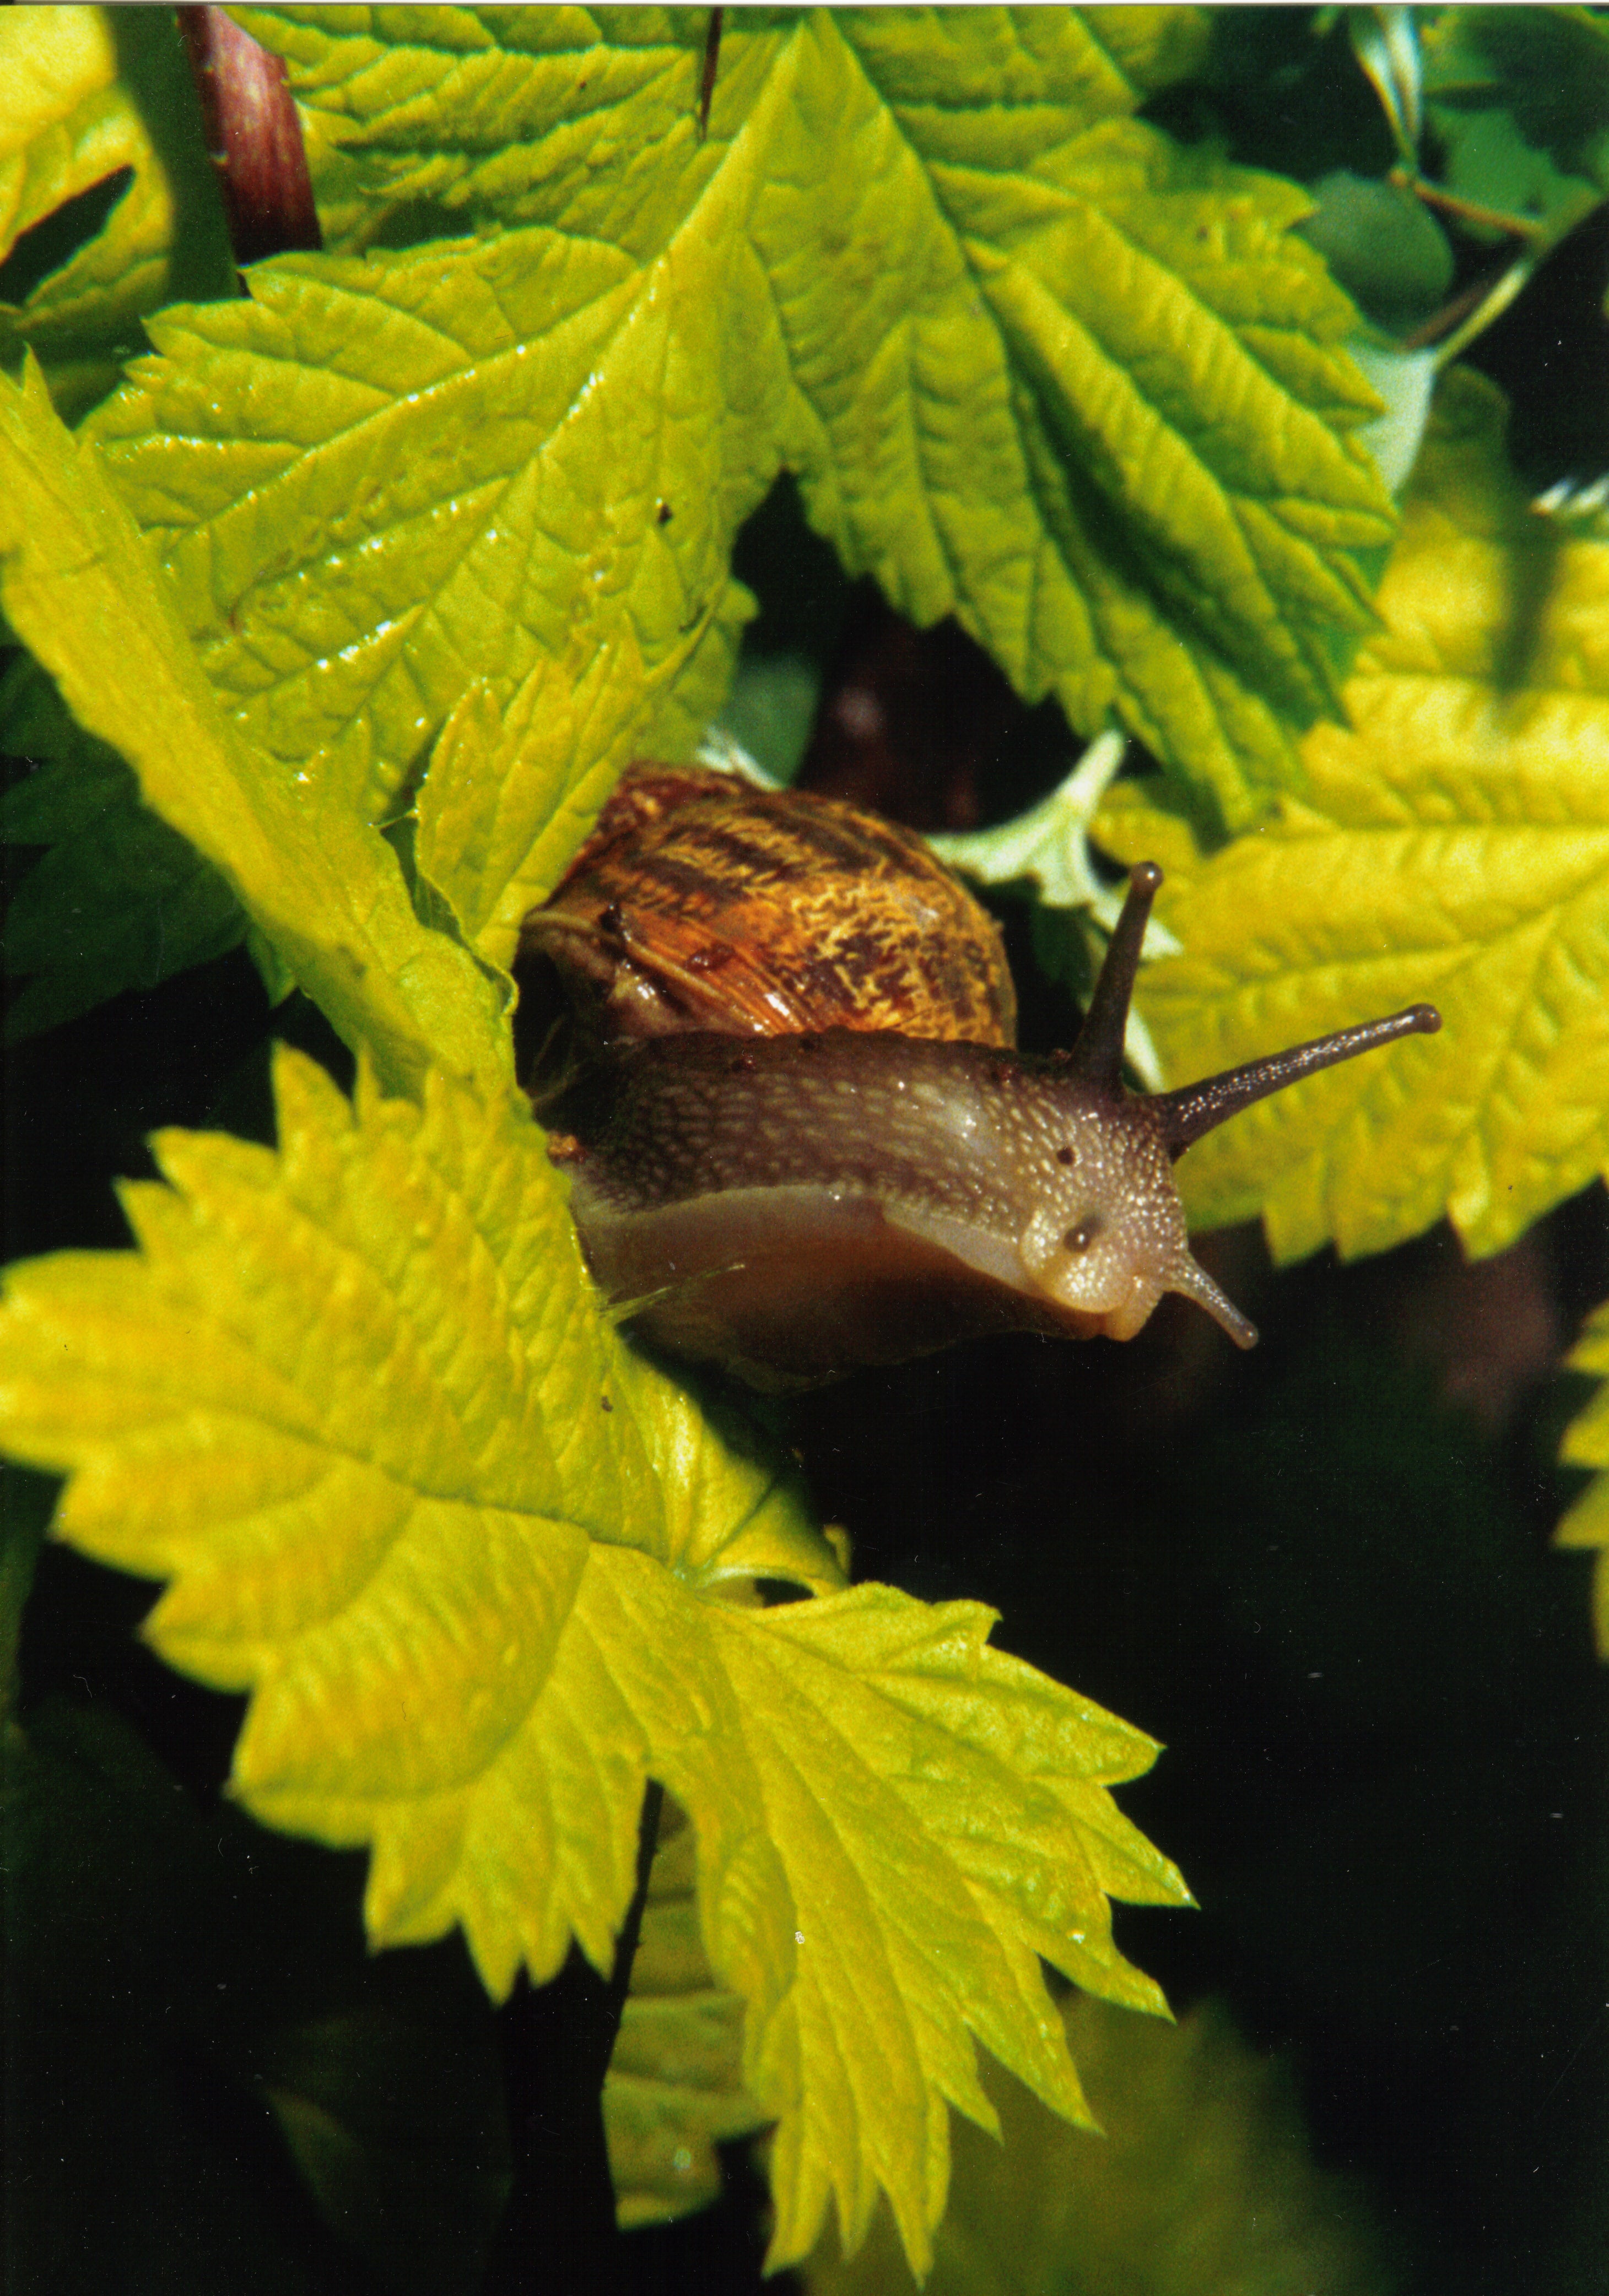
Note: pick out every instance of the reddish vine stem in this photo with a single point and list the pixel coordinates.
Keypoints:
(253, 137)
(706, 86)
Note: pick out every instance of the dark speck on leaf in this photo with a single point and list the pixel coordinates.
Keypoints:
(664, 513)
(604, 1403)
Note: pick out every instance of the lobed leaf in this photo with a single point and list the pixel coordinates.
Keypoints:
(1033, 365)
(472, 1560)
(79, 589)
(1453, 845)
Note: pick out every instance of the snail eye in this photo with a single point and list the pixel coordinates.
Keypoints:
(1080, 1238)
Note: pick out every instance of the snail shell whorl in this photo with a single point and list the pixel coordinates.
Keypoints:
(701, 902)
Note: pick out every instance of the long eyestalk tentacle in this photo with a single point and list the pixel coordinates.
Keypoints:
(1097, 1054)
(1199, 1108)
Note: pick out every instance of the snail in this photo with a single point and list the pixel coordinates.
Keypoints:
(798, 1135)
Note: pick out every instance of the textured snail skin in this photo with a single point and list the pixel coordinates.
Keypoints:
(792, 1207)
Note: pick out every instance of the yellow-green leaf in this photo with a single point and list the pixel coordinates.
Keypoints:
(1033, 366)
(474, 1563)
(1453, 845)
(80, 587)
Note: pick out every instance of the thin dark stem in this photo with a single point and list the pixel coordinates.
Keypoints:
(1199, 1108)
(631, 1928)
(706, 86)
(558, 2229)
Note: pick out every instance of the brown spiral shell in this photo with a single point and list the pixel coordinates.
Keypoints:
(702, 902)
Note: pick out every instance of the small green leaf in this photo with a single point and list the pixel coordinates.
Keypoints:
(1049, 847)
(84, 94)
(1454, 845)
(1384, 245)
(119, 900)
(79, 589)
(1200, 2185)
(354, 1402)
(1033, 366)
(1546, 69)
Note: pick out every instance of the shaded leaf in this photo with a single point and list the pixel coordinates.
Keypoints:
(1202, 2184)
(166, 1959)
(393, 2113)
(78, 588)
(1033, 366)
(1454, 845)
(1545, 68)
(675, 2088)
(92, 98)
(354, 1402)
(119, 900)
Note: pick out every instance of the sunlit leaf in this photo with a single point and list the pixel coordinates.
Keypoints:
(79, 589)
(1454, 845)
(1033, 365)
(475, 1563)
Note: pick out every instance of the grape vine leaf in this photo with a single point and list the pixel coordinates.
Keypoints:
(1585, 1444)
(1033, 364)
(475, 1562)
(1453, 844)
(100, 133)
(79, 589)
(1202, 2184)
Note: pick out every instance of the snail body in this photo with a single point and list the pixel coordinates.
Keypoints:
(793, 1204)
